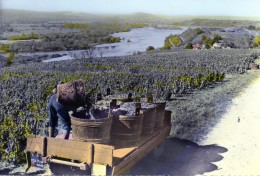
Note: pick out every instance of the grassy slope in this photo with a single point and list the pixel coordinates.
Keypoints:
(196, 114)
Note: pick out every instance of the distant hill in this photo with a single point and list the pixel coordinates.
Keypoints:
(217, 22)
(22, 16)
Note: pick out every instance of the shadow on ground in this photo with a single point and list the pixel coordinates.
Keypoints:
(180, 157)
(4, 171)
(20, 170)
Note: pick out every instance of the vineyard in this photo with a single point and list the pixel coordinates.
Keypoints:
(25, 89)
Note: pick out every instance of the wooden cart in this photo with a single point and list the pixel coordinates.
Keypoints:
(95, 159)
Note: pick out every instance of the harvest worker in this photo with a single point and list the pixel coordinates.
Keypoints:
(57, 111)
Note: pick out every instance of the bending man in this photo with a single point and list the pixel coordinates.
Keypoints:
(58, 112)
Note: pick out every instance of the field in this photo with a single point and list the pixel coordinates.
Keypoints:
(25, 88)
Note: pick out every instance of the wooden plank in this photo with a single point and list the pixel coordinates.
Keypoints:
(141, 152)
(144, 139)
(99, 170)
(36, 144)
(123, 152)
(103, 154)
(70, 149)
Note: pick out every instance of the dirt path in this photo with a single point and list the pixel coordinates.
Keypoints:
(239, 132)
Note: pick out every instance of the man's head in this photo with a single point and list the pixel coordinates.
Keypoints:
(71, 94)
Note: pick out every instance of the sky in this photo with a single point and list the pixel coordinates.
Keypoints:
(163, 7)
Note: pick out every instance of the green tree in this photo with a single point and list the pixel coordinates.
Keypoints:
(257, 41)
(167, 44)
(5, 48)
(216, 38)
(10, 60)
(204, 39)
(189, 46)
(150, 48)
(175, 40)
(199, 31)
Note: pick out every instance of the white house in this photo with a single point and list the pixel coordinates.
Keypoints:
(217, 45)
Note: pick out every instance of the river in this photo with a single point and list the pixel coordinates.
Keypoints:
(136, 40)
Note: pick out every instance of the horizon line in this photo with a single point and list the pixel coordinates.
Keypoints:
(165, 15)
